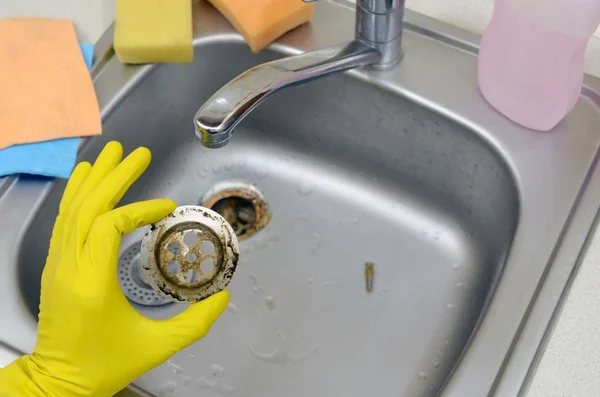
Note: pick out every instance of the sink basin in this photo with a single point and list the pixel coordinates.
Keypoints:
(473, 224)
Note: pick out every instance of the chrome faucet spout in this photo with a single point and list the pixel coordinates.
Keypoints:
(217, 118)
(377, 42)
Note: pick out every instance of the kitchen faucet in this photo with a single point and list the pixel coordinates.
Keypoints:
(378, 37)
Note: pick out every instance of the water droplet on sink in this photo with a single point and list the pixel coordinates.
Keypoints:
(436, 364)
(456, 266)
(233, 307)
(316, 242)
(241, 164)
(305, 188)
(280, 355)
(304, 217)
(174, 367)
(192, 356)
(257, 285)
(216, 168)
(206, 383)
(215, 385)
(459, 285)
(168, 387)
(270, 302)
(422, 375)
(203, 172)
(186, 380)
(228, 166)
(450, 307)
(227, 387)
(310, 282)
(217, 370)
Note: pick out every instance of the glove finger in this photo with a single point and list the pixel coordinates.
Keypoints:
(104, 238)
(194, 322)
(78, 176)
(111, 189)
(106, 162)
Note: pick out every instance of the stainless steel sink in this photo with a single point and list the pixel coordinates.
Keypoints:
(474, 225)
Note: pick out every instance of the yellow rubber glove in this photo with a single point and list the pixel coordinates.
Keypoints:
(91, 341)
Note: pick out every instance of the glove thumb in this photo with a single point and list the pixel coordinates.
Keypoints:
(194, 322)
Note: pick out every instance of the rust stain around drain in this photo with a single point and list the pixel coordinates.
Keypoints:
(242, 209)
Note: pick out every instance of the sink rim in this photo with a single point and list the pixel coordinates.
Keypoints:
(507, 375)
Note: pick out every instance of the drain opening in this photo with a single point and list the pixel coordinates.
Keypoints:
(242, 206)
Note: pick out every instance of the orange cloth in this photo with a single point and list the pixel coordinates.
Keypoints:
(46, 91)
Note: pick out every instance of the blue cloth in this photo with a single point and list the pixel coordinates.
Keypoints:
(55, 158)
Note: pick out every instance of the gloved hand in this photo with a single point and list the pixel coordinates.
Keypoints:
(91, 341)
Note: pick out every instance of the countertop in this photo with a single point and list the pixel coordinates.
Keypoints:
(571, 362)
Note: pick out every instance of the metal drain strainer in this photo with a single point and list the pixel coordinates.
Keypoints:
(189, 255)
(132, 281)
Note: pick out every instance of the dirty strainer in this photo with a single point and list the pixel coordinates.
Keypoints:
(189, 255)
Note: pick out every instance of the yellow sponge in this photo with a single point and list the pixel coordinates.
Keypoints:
(149, 31)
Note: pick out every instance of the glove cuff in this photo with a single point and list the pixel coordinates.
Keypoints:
(16, 380)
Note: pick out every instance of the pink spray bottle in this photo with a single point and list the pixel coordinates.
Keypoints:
(532, 56)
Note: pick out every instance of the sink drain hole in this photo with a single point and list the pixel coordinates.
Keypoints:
(239, 213)
(241, 204)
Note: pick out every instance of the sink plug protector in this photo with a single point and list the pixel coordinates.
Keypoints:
(189, 255)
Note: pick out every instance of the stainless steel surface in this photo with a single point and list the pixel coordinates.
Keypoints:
(378, 38)
(475, 225)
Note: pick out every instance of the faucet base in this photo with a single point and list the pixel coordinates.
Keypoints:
(379, 25)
